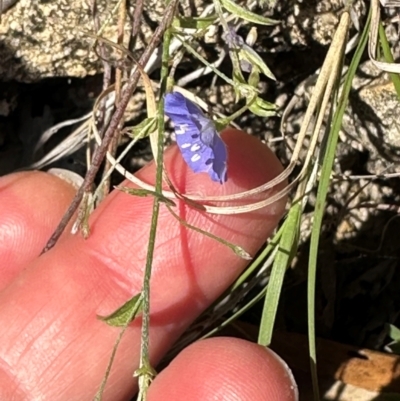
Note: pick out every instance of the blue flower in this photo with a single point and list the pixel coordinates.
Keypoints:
(199, 142)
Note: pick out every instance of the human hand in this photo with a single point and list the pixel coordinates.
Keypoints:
(53, 347)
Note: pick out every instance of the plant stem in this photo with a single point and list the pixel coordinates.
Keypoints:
(145, 371)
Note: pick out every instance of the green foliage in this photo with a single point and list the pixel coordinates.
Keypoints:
(286, 250)
(197, 23)
(125, 313)
(394, 334)
(143, 129)
(247, 15)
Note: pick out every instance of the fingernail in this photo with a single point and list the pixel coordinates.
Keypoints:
(69, 176)
(289, 373)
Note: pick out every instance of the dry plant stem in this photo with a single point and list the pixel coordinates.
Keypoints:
(112, 148)
(373, 40)
(101, 120)
(120, 41)
(137, 16)
(106, 65)
(369, 176)
(101, 151)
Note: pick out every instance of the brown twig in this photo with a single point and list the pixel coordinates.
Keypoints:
(112, 149)
(120, 41)
(137, 16)
(101, 151)
(106, 65)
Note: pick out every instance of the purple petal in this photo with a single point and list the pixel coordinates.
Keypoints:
(219, 163)
(198, 140)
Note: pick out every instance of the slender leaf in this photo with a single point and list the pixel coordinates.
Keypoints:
(125, 313)
(389, 58)
(394, 333)
(238, 250)
(251, 56)
(321, 197)
(143, 129)
(146, 192)
(197, 23)
(262, 108)
(247, 15)
(287, 248)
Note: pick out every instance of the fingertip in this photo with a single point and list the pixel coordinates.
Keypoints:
(225, 368)
(251, 163)
(31, 204)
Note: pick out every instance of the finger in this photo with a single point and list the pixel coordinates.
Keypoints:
(31, 204)
(52, 330)
(226, 369)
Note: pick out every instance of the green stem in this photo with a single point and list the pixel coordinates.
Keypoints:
(320, 204)
(145, 371)
(389, 58)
